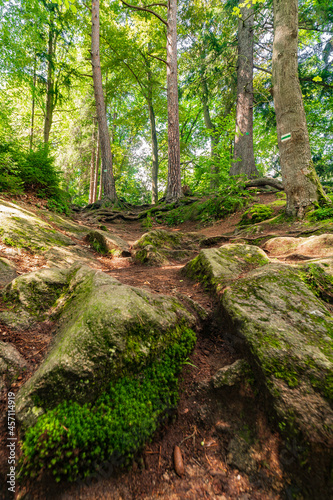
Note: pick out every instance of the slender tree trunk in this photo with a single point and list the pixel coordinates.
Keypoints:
(49, 85)
(214, 140)
(107, 168)
(33, 108)
(96, 168)
(300, 180)
(154, 145)
(174, 189)
(243, 150)
(92, 164)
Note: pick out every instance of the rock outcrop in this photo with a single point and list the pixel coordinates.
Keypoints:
(274, 319)
(105, 330)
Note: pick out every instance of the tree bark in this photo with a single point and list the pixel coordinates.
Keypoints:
(49, 85)
(214, 140)
(92, 164)
(300, 180)
(96, 168)
(243, 149)
(32, 125)
(107, 168)
(154, 145)
(174, 189)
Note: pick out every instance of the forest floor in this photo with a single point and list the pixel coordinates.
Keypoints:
(231, 450)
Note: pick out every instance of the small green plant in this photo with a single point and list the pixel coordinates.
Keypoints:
(148, 221)
(322, 213)
(71, 440)
(257, 213)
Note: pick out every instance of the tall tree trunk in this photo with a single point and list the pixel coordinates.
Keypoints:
(33, 108)
(214, 140)
(96, 168)
(243, 150)
(300, 180)
(174, 189)
(49, 85)
(92, 164)
(154, 145)
(107, 169)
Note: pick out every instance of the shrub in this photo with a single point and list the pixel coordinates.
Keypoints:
(71, 440)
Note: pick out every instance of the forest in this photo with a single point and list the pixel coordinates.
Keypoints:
(166, 249)
(200, 128)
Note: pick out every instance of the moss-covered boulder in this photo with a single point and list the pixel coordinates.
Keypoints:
(158, 247)
(215, 267)
(106, 330)
(31, 295)
(23, 229)
(7, 271)
(105, 243)
(12, 364)
(273, 318)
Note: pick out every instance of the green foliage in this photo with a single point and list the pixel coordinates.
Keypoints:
(257, 213)
(318, 281)
(71, 440)
(322, 213)
(10, 180)
(148, 221)
(231, 197)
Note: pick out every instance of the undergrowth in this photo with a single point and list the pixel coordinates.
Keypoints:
(71, 440)
(214, 208)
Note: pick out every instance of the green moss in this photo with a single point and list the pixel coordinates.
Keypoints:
(257, 213)
(72, 440)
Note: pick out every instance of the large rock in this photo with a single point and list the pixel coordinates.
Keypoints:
(158, 247)
(7, 271)
(286, 332)
(300, 248)
(22, 228)
(105, 330)
(12, 364)
(105, 240)
(215, 267)
(32, 295)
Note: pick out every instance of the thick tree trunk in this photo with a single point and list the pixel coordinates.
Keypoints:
(300, 180)
(214, 140)
(174, 189)
(243, 150)
(49, 86)
(107, 169)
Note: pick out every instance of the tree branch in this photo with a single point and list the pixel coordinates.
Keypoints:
(323, 84)
(144, 9)
(265, 181)
(156, 57)
(262, 69)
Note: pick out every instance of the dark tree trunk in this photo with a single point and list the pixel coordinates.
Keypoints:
(92, 165)
(49, 106)
(300, 180)
(214, 140)
(174, 189)
(154, 145)
(32, 125)
(96, 168)
(243, 149)
(107, 168)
